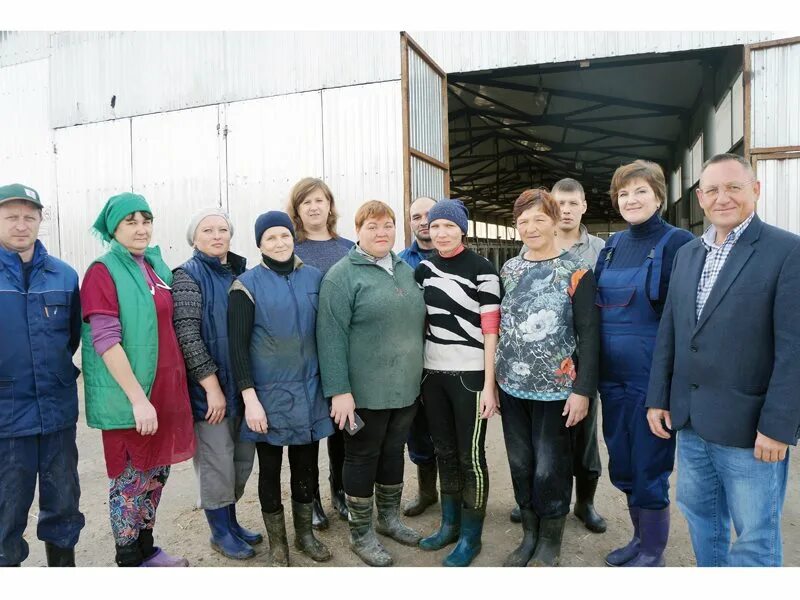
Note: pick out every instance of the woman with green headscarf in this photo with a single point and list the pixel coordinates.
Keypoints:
(134, 376)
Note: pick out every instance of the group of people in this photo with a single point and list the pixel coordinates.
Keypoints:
(669, 335)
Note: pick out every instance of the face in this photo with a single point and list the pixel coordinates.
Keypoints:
(446, 235)
(419, 218)
(376, 236)
(536, 229)
(19, 225)
(637, 201)
(573, 206)
(134, 232)
(314, 210)
(727, 194)
(277, 243)
(213, 236)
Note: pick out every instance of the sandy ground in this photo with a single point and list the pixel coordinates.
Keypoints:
(181, 528)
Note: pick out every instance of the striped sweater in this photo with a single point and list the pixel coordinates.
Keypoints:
(462, 298)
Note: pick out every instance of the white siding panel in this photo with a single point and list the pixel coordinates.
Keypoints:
(93, 163)
(775, 89)
(175, 160)
(271, 144)
(737, 110)
(426, 180)
(779, 204)
(363, 150)
(23, 46)
(425, 108)
(722, 126)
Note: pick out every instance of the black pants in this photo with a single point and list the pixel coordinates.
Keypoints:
(336, 458)
(452, 404)
(420, 444)
(586, 457)
(540, 454)
(303, 469)
(375, 453)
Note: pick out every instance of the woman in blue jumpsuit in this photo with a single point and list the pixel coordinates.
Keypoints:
(633, 272)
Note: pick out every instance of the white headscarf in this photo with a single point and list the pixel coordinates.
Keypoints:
(202, 214)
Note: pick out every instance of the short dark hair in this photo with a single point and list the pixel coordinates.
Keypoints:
(568, 185)
(718, 158)
(639, 169)
(537, 197)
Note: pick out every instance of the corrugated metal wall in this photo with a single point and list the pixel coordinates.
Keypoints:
(426, 180)
(425, 108)
(780, 193)
(775, 94)
(23, 46)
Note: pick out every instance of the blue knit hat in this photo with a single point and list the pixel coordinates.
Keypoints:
(273, 218)
(452, 210)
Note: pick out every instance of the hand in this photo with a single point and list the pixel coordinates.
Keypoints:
(577, 407)
(489, 405)
(654, 418)
(254, 414)
(216, 406)
(145, 416)
(342, 408)
(769, 450)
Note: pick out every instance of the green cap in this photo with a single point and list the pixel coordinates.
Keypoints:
(17, 191)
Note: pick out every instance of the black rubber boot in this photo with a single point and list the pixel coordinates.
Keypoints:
(548, 546)
(276, 532)
(319, 520)
(427, 496)
(530, 533)
(387, 500)
(129, 555)
(584, 505)
(304, 539)
(516, 515)
(363, 540)
(59, 557)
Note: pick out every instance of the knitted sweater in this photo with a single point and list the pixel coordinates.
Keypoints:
(322, 255)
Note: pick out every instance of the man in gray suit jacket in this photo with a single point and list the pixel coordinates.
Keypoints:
(724, 371)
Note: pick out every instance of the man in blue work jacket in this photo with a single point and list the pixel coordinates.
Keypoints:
(41, 317)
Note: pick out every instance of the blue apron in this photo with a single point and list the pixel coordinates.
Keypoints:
(639, 462)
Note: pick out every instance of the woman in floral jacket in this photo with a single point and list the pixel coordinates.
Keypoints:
(548, 320)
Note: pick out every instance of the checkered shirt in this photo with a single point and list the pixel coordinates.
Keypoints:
(716, 255)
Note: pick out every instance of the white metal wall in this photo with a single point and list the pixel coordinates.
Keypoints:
(780, 193)
(775, 97)
(23, 46)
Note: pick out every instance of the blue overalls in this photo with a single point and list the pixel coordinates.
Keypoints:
(639, 462)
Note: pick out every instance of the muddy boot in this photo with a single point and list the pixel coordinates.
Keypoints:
(319, 520)
(654, 529)
(548, 546)
(223, 539)
(304, 539)
(426, 477)
(338, 502)
(530, 533)
(450, 527)
(515, 516)
(251, 537)
(620, 556)
(469, 542)
(59, 557)
(276, 532)
(584, 505)
(387, 500)
(363, 540)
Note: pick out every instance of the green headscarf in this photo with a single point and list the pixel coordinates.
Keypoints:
(116, 209)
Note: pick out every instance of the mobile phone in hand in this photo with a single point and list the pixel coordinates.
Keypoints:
(359, 424)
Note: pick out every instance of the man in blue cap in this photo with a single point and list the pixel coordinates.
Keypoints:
(38, 395)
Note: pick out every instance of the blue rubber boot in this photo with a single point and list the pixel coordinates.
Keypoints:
(251, 537)
(654, 528)
(450, 527)
(620, 556)
(469, 542)
(223, 540)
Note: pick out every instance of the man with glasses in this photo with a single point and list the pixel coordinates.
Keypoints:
(724, 371)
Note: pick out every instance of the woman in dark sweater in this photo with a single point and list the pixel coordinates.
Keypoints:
(272, 323)
(313, 212)
(633, 273)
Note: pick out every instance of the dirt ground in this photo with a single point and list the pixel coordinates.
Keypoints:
(182, 529)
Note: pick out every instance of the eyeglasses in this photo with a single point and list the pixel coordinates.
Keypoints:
(732, 189)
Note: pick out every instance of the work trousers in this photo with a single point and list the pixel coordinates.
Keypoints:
(222, 463)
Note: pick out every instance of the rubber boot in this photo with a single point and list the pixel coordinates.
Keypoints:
(251, 537)
(363, 540)
(337, 500)
(620, 556)
(319, 520)
(530, 533)
(129, 555)
(450, 527)
(223, 539)
(427, 496)
(548, 546)
(304, 539)
(469, 542)
(584, 505)
(276, 532)
(387, 500)
(654, 529)
(516, 515)
(59, 557)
